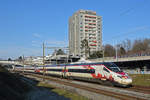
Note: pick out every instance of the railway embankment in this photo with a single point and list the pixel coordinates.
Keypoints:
(17, 87)
(11, 87)
(94, 91)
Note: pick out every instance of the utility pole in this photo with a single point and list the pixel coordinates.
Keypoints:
(43, 61)
(103, 52)
(23, 63)
(116, 53)
(116, 49)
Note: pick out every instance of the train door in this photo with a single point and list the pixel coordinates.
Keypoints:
(98, 71)
(106, 73)
(64, 71)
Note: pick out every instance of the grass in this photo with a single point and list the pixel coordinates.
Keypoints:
(2, 69)
(62, 92)
(141, 79)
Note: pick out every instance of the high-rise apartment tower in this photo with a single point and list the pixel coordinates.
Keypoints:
(85, 24)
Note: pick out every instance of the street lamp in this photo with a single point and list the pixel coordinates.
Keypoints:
(116, 52)
(23, 64)
(43, 60)
(103, 48)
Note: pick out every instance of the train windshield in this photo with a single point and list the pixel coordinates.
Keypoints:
(113, 67)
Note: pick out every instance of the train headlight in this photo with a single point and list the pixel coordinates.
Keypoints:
(122, 77)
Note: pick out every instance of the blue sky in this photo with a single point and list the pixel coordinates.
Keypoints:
(26, 24)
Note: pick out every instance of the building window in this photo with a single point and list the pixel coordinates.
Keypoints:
(98, 22)
(98, 18)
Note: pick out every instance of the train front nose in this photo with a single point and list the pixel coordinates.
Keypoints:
(127, 81)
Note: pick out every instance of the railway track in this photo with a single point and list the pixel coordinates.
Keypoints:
(118, 93)
(140, 89)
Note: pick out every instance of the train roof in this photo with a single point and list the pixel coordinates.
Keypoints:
(97, 63)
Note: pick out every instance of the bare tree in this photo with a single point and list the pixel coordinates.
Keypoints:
(9, 59)
(146, 43)
(60, 52)
(97, 54)
(109, 50)
(20, 58)
(85, 47)
(121, 51)
(127, 45)
(139, 46)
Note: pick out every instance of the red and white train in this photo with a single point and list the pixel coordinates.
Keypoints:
(105, 72)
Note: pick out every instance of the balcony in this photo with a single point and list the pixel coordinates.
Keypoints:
(93, 45)
(94, 41)
(90, 27)
(94, 17)
(92, 24)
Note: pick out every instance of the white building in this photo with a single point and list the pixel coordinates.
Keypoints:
(85, 24)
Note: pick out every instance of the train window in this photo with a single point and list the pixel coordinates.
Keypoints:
(90, 70)
(57, 70)
(82, 70)
(106, 70)
(113, 67)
